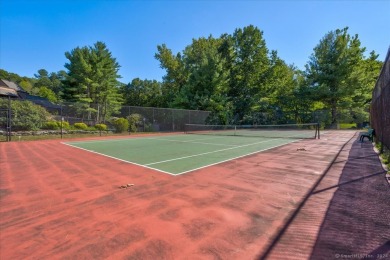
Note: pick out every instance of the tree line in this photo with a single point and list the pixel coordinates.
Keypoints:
(235, 76)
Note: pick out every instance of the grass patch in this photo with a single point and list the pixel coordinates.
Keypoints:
(385, 156)
(347, 125)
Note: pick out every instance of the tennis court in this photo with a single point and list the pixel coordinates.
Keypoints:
(200, 147)
(59, 201)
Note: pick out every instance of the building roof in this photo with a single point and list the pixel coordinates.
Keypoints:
(13, 90)
(8, 92)
(12, 85)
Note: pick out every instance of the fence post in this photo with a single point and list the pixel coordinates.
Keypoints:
(9, 118)
(382, 124)
(173, 120)
(62, 121)
(128, 130)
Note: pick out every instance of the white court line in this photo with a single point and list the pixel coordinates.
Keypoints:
(134, 138)
(200, 154)
(112, 157)
(191, 141)
(110, 140)
(208, 165)
(147, 165)
(130, 138)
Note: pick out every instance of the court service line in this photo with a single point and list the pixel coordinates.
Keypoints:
(230, 159)
(191, 141)
(216, 151)
(112, 157)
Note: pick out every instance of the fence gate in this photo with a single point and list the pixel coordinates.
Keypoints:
(5, 125)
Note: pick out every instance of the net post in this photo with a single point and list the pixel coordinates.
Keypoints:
(318, 130)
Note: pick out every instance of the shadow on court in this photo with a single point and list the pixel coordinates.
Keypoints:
(358, 217)
(61, 202)
(346, 215)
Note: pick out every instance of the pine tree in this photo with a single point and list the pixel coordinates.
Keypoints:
(92, 79)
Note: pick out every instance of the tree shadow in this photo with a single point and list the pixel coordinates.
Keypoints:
(356, 158)
(348, 182)
(357, 220)
(358, 217)
(382, 252)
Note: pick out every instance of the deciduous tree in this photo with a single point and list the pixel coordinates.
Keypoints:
(247, 61)
(139, 92)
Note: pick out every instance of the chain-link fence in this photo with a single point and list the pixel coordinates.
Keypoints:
(146, 119)
(27, 118)
(355, 118)
(380, 105)
(4, 124)
(164, 119)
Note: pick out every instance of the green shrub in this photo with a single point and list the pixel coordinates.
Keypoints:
(26, 116)
(65, 125)
(386, 158)
(149, 128)
(121, 125)
(135, 120)
(81, 126)
(101, 127)
(55, 125)
(51, 125)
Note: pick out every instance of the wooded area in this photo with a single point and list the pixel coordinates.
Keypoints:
(235, 76)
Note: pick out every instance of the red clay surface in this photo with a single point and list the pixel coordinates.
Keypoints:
(346, 216)
(61, 202)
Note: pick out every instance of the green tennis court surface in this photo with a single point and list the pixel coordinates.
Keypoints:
(178, 154)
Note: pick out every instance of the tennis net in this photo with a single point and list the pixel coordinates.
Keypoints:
(297, 131)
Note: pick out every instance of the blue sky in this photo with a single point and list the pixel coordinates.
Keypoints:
(36, 34)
